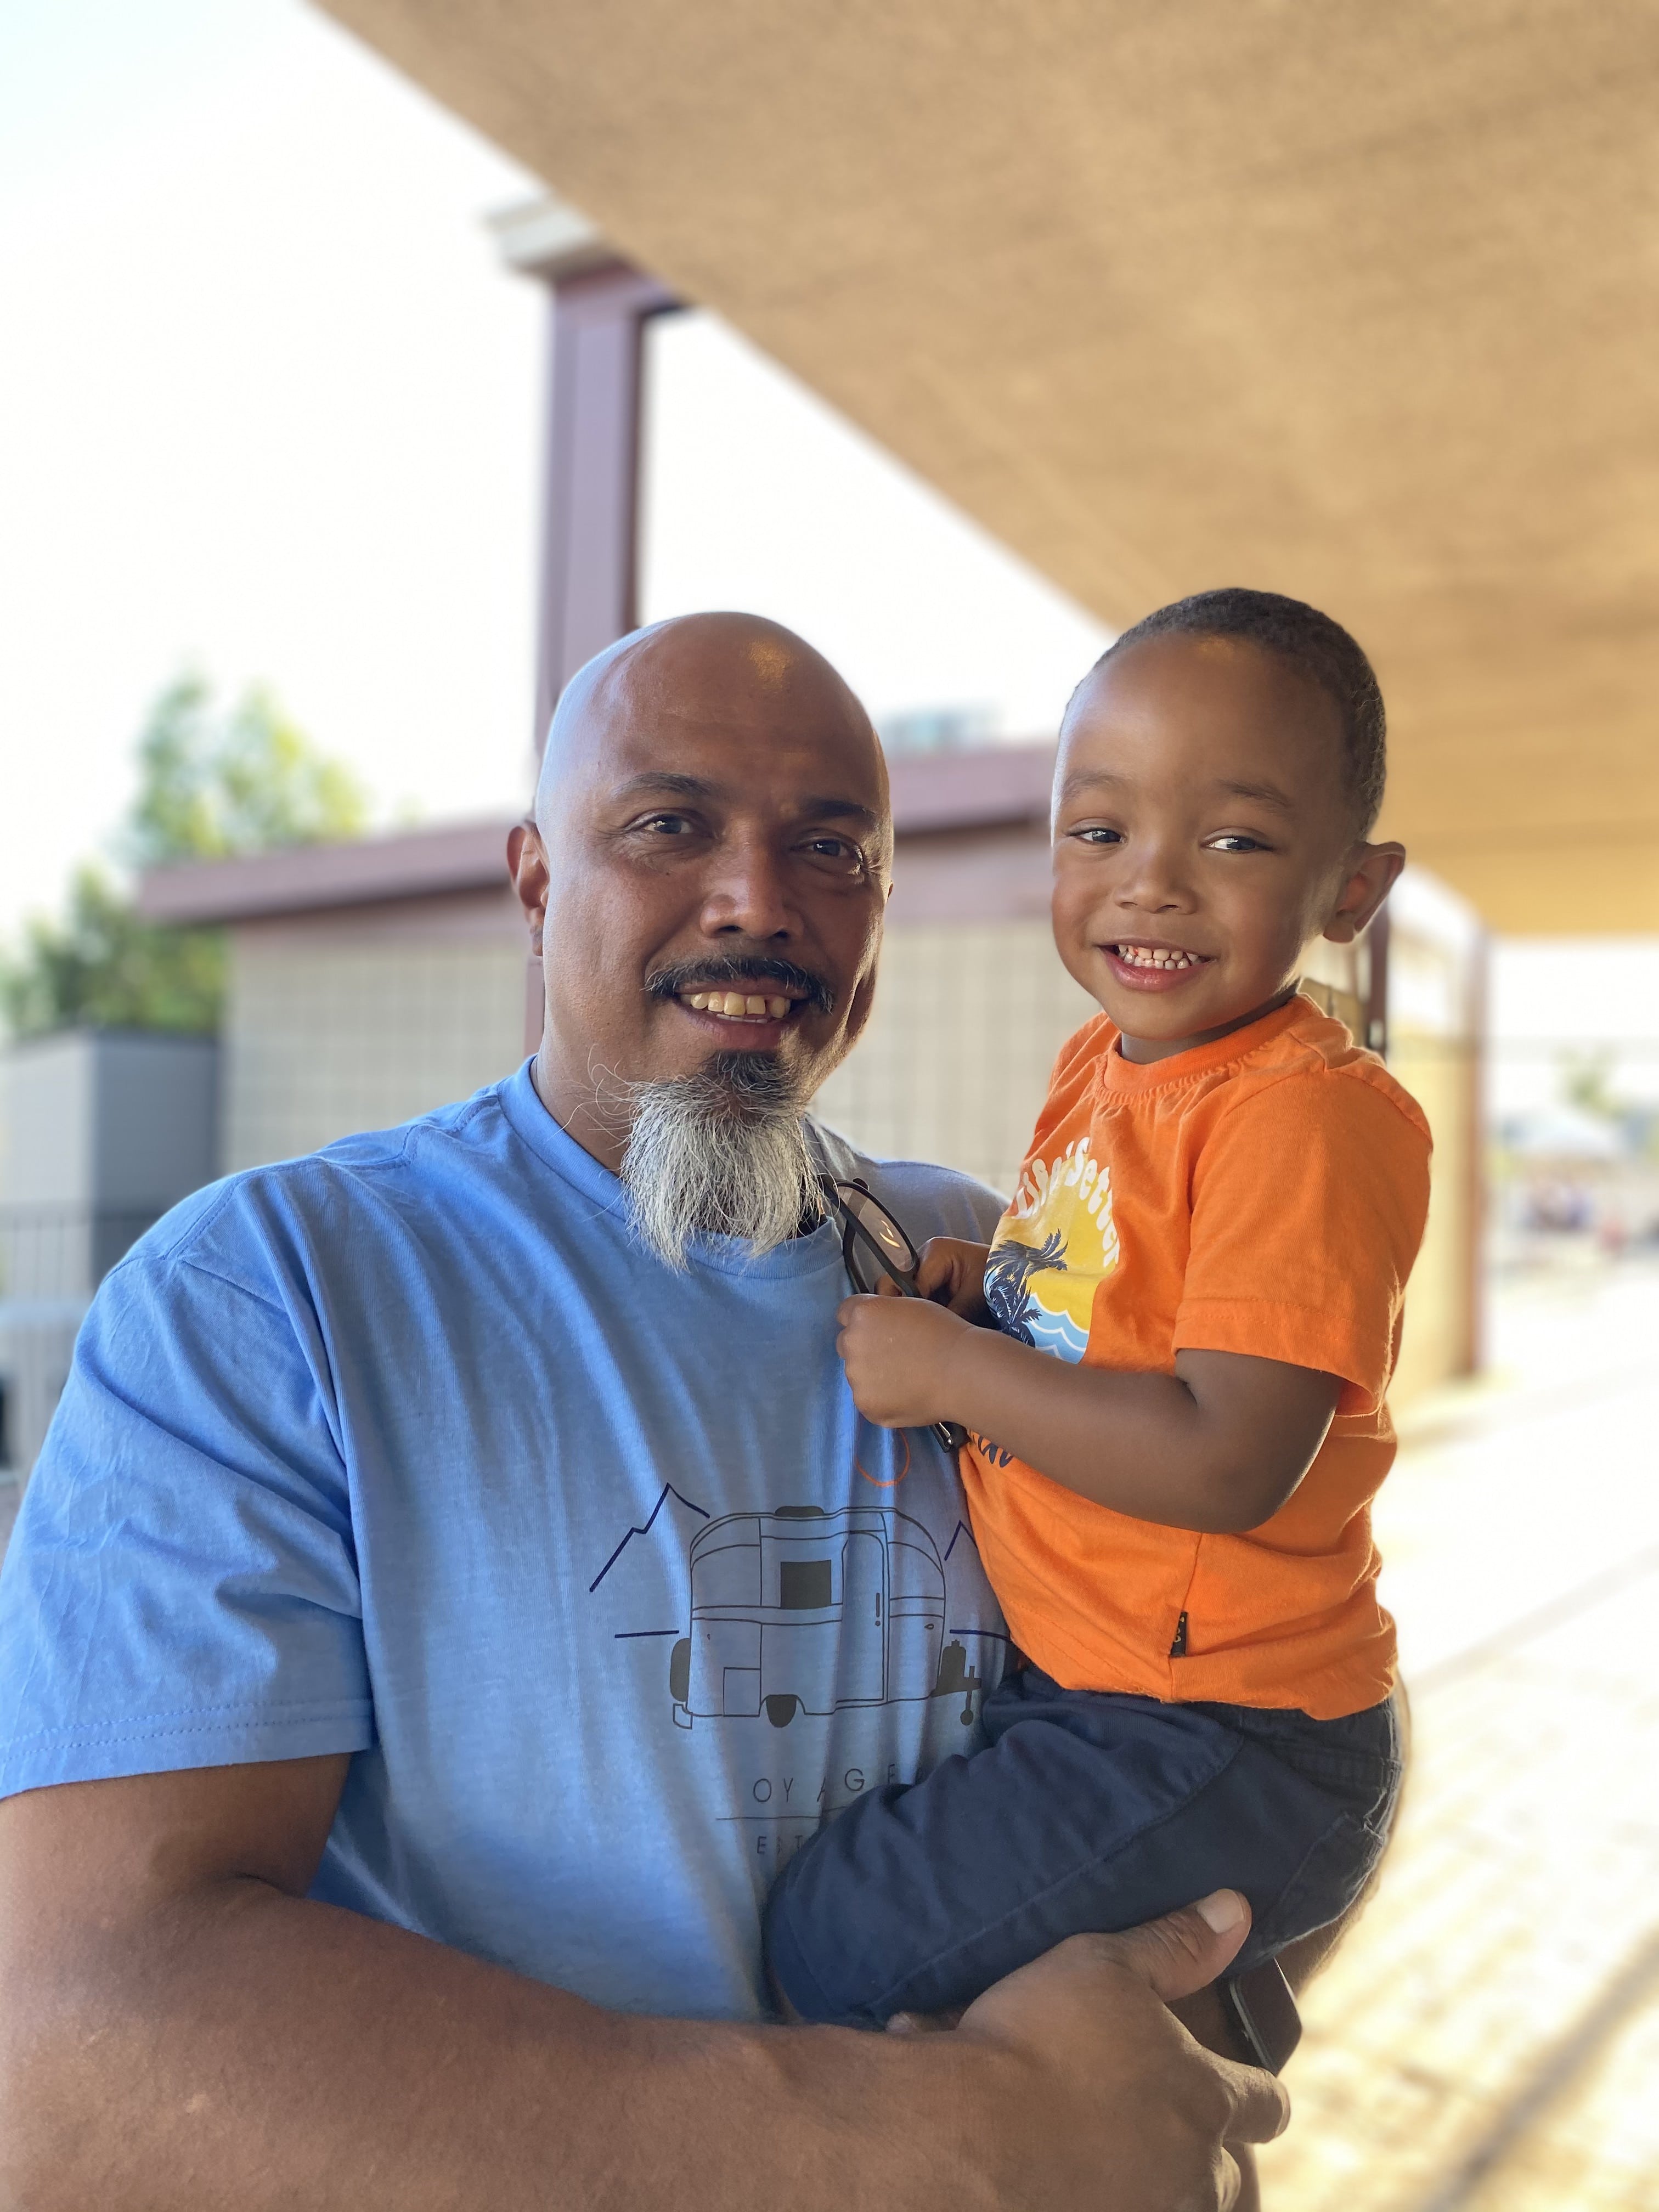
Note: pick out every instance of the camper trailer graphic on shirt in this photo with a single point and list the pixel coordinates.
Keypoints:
(799, 1610)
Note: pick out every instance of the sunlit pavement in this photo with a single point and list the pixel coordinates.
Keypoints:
(1489, 2036)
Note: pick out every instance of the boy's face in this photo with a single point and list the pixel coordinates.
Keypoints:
(1203, 834)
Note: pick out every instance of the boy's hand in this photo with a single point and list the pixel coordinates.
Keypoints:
(953, 1271)
(898, 1354)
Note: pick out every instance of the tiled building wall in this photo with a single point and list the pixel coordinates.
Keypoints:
(968, 1016)
(335, 1028)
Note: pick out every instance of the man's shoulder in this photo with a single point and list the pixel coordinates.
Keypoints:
(928, 1200)
(225, 1227)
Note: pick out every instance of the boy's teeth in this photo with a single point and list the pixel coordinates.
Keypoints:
(735, 1004)
(1147, 956)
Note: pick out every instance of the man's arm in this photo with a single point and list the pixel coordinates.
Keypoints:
(1218, 1446)
(183, 2031)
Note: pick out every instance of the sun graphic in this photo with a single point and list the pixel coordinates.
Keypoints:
(1052, 1248)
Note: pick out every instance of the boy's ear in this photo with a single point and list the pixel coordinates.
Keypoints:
(1371, 876)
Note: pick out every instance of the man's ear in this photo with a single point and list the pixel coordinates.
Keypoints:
(526, 863)
(1372, 871)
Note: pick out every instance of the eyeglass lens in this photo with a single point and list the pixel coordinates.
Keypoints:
(879, 1225)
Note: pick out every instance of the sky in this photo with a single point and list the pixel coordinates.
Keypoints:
(271, 408)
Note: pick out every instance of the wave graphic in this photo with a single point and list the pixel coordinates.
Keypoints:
(1055, 1333)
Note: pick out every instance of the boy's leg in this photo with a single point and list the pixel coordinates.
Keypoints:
(1203, 2014)
(1084, 1812)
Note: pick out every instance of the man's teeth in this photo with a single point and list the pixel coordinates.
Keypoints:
(1150, 956)
(736, 1005)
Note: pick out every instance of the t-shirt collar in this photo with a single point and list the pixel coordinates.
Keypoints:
(529, 1119)
(1121, 1076)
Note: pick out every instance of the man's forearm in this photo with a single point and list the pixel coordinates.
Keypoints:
(245, 2049)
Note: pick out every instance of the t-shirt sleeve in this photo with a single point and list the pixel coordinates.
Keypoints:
(181, 1587)
(1310, 1200)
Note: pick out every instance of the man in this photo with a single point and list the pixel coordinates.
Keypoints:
(457, 1575)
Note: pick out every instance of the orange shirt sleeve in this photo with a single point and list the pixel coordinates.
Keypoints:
(1309, 1198)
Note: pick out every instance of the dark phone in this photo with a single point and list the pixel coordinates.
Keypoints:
(1263, 2014)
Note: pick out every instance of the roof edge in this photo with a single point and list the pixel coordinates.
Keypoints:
(934, 794)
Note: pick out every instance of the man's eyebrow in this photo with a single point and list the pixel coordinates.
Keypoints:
(666, 780)
(653, 782)
(843, 809)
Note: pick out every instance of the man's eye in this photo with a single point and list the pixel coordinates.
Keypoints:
(665, 825)
(838, 852)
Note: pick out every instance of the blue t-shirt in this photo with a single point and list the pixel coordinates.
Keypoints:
(411, 1449)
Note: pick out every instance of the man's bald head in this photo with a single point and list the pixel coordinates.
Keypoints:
(707, 873)
(704, 672)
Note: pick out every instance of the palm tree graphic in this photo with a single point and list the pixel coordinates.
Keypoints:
(1008, 1272)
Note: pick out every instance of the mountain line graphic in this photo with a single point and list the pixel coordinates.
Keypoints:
(667, 1492)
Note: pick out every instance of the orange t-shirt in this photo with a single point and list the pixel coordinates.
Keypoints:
(1263, 1195)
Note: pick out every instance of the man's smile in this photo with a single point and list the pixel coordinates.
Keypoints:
(737, 1006)
(760, 995)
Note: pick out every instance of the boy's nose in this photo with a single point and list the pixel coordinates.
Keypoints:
(1154, 883)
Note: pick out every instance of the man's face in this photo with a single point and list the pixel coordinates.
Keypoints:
(716, 863)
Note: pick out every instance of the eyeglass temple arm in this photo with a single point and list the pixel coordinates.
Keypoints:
(950, 1434)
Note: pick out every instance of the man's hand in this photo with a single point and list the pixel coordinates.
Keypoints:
(899, 1354)
(182, 2025)
(1112, 2103)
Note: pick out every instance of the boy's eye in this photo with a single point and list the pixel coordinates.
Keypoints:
(1096, 833)
(1235, 841)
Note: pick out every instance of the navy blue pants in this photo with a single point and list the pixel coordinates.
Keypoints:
(1086, 1810)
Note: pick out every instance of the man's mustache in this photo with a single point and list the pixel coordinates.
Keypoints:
(730, 972)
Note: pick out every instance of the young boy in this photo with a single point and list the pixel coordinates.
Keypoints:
(1178, 1425)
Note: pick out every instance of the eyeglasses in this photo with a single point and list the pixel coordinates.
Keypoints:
(877, 1248)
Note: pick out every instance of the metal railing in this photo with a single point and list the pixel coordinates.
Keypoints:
(65, 1251)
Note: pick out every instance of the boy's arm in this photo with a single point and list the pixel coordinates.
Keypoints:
(1218, 1446)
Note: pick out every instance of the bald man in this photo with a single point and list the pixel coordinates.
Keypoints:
(458, 1576)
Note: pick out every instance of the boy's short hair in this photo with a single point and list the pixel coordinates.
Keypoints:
(1321, 649)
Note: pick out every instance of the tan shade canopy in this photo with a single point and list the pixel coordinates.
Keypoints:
(1352, 301)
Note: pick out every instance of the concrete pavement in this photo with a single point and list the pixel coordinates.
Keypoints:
(1489, 2036)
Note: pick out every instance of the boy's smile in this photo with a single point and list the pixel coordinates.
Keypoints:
(1204, 832)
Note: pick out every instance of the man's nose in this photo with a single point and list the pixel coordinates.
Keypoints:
(747, 893)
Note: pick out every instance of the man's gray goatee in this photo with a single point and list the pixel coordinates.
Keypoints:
(721, 1152)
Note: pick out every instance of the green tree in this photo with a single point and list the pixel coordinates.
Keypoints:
(247, 781)
(1587, 1082)
(210, 785)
